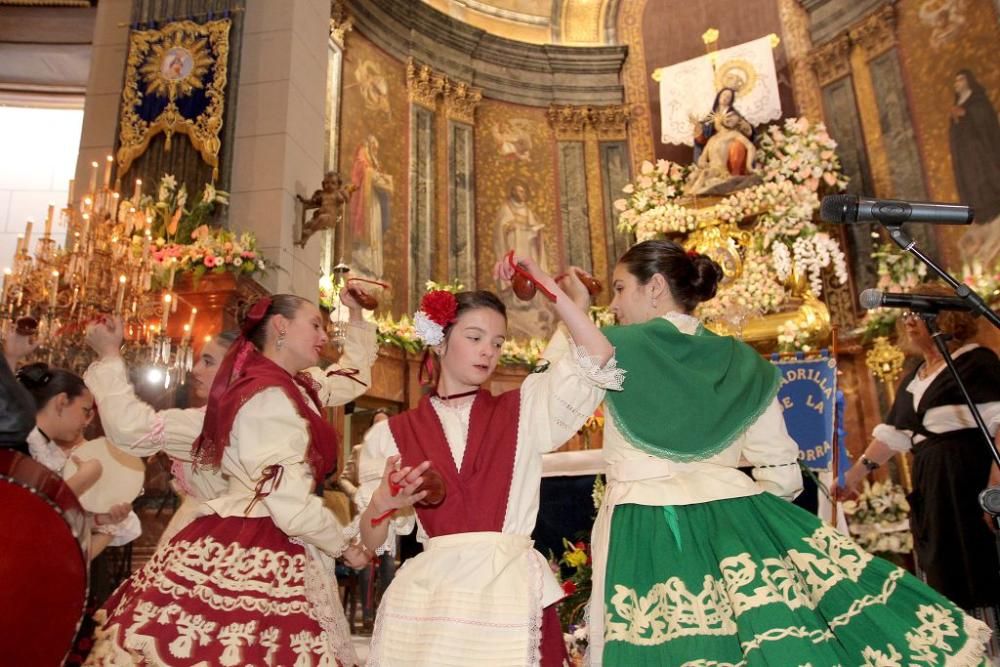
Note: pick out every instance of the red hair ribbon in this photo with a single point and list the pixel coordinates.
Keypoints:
(256, 314)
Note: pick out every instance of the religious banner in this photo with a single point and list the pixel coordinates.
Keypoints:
(175, 81)
(688, 89)
(808, 395)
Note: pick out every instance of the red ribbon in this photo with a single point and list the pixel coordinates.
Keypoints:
(518, 269)
(272, 474)
(348, 373)
(394, 489)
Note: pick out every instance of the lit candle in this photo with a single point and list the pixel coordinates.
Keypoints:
(115, 197)
(27, 235)
(55, 289)
(121, 294)
(69, 195)
(190, 324)
(107, 171)
(137, 193)
(6, 276)
(187, 333)
(166, 311)
(93, 178)
(48, 220)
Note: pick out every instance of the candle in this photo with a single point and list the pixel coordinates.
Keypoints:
(48, 220)
(20, 247)
(187, 333)
(190, 324)
(55, 289)
(115, 197)
(107, 171)
(121, 294)
(72, 305)
(93, 178)
(137, 193)
(69, 195)
(27, 235)
(6, 276)
(166, 311)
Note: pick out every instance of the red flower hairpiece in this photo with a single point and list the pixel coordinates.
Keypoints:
(440, 306)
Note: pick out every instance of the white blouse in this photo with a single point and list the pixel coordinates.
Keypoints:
(53, 457)
(554, 405)
(269, 431)
(651, 480)
(140, 430)
(940, 419)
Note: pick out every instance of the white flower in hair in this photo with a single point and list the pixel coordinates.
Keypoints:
(427, 329)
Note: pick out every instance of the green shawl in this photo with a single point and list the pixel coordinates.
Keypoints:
(686, 397)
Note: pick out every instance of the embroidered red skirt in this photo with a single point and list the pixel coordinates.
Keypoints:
(226, 591)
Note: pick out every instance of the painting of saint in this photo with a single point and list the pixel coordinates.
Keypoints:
(370, 208)
(518, 229)
(945, 19)
(974, 136)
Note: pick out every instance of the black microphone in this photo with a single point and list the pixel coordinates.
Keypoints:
(847, 209)
(918, 303)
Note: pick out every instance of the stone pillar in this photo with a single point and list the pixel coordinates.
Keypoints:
(104, 89)
(279, 141)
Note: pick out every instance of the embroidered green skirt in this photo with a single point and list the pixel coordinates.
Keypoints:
(759, 581)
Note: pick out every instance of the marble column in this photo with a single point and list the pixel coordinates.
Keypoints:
(279, 144)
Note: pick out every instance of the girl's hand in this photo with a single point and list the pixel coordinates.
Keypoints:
(405, 481)
(116, 514)
(575, 289)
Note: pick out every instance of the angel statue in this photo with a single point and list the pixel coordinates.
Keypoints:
(327, 205)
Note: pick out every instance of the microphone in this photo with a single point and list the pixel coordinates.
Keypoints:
(848, 209)
(918, 303)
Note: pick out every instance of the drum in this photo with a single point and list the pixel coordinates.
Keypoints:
(122, 475)
(43, 564)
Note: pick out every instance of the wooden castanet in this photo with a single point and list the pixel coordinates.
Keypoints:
(364, 299)
(433, 484)
(45, 535)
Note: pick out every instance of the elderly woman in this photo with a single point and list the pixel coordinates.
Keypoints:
(951, 464)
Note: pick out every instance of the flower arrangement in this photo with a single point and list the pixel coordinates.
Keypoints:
(399, 333)
(985, 282)
(898, 271)
(757, 291)
(879, 518)
(171, 215)
(521, 353)
(576, 558)
(213, 250)
(797, 162)
(793, 338)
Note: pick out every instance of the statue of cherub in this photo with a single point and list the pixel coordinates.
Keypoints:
(327, 204)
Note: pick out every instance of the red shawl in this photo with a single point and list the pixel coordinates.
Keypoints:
(243, 373)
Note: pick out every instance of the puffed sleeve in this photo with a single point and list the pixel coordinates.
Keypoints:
(555, 403)
(378, 446)
(773, 454)
(351, 376)
(131, 423)
(271, 441)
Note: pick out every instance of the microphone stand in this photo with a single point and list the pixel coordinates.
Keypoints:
(989, 499)
(976, 303)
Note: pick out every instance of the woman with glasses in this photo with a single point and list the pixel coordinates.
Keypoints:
(954, 547)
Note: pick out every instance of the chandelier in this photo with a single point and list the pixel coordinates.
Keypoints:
(104, 267)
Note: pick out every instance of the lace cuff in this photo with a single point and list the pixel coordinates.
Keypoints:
(898, 441)
(122, 532)
(608, 376)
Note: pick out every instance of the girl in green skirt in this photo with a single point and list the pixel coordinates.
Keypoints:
(697, 564)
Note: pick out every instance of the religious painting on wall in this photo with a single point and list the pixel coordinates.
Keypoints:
(373, 158)
(516, 207)
(175, 82)
(955, 94)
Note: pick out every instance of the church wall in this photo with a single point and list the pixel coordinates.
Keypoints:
(374, 104)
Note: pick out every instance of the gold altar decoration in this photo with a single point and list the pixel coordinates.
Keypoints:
(105, 268)
(175, 80)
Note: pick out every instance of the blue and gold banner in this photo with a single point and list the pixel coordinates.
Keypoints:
(808, 394)
(175, 81)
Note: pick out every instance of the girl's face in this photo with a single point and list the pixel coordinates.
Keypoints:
(203, 373)
(631, 302)
(71, 416)
(470, 353)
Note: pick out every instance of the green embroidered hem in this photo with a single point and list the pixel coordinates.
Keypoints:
(759, 581)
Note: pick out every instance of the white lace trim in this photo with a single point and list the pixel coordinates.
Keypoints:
(122, 532)
(608, 376)
(321, 590)
(427, 329)
(46, 452)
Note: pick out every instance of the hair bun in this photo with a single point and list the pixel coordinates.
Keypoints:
(706, 277)
(34, 376)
